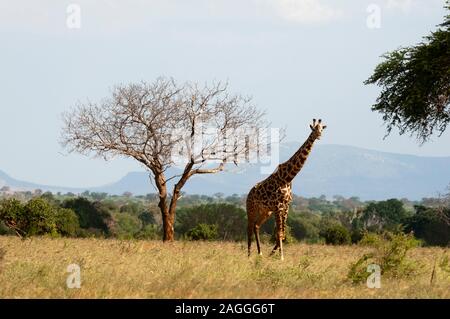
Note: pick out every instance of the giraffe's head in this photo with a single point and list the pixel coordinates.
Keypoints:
(317, 127)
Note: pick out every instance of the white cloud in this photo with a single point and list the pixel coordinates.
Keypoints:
(305, 11)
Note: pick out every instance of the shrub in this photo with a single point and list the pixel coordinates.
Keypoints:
(11, 215)
(126, 226)
(336, 235)
(431, 225)
(150, 231)
(231, 220)
(67, 222)
(356, 235)
(147, 218)
(389, 252)
(203, 232)
(90, 215)
(39, 218)
(5, 230)
(303, 227)
(385, 215)
(371, 239)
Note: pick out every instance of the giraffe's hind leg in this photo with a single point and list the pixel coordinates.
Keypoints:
(258, 244)
(251, 221)
(275, 248)
(263, 216)
(278, 245)
(250, 237)
(280, 227)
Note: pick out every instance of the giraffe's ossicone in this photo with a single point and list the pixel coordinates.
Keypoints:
(274, 194)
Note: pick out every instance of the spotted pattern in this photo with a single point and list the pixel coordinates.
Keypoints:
(274, 194)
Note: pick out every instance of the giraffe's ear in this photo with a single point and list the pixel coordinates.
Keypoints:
(324, 127)
(312, 129)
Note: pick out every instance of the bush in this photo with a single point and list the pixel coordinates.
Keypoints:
(203, 232)
(336, 235)
(384, 215)
(304, 226)
(150, 232)
(126, 226)
(389, 252)
(67, 222)
(39, 218)
(147, 218)
(356, 235)
(90, 215)
(431, 225)
(5, 230)
(231, 220)
(11, 215)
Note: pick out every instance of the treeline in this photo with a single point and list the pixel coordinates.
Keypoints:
(77, 217)
(313, 220)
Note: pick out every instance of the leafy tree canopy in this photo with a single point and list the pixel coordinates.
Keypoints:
(415, 84)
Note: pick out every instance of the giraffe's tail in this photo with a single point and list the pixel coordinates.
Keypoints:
(250, 221)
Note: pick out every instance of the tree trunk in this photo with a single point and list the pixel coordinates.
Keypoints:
(168, 213)
(168, 221)
(171, 212)
(167, 218)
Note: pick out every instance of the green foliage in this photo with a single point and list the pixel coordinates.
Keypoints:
(430, 224)
(134, 217)
(304, 226)
(131, 207)
(150, 232)
(67, 222)
(415, 94)
(371, 239)
(203, 232)
(147, 218)
(126, 226)
(11, 215)
(300, 226)
(91, 215)
(384, 215)
(231, 220)
(39, 218)
(356, 235)
(5, 230)
(389, 252)
(336, 235)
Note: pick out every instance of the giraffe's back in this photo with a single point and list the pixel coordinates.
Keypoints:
(269, 196)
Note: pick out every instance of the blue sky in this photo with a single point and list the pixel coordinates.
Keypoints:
(299, 59)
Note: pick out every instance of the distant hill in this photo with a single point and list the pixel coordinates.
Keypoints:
(329, 170)
(6, 180)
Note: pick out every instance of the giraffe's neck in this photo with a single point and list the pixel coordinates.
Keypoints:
(289, 169)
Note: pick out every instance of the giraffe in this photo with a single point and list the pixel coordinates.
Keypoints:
(274, 194)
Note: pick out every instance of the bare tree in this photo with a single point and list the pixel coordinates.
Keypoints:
(163, 124)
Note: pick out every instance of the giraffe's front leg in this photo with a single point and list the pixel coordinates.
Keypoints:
(279, 218)
(276, 245)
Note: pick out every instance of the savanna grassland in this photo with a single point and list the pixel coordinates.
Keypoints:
(37, 268)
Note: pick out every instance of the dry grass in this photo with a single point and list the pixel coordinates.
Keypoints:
(36, 268)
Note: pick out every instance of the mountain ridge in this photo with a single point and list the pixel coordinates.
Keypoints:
(331, 169)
